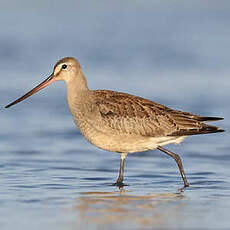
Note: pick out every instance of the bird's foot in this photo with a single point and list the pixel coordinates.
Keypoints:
(119, 184)
(181, 190)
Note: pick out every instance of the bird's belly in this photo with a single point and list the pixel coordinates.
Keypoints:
(114, 141)
(125, 143)
(122, 143)
(130, 144)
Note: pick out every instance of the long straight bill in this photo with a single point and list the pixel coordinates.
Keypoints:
(42, 85)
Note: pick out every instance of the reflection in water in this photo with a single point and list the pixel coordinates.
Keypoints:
(132, 211)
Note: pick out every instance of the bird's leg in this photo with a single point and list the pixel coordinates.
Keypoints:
(178, 161)
(119, 182)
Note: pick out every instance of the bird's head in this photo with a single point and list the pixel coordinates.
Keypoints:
(66, 69)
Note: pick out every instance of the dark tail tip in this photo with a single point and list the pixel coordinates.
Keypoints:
(220, 130)
(211, 129)
(210, 118)
(203, 130)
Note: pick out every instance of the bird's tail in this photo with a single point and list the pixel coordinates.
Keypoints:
(204, 129)
(199, 118)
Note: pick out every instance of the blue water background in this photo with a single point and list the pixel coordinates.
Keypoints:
(173, 52)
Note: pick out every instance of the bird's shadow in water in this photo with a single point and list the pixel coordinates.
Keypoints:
(127, 208)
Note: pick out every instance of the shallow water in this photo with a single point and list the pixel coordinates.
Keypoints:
(175, 54)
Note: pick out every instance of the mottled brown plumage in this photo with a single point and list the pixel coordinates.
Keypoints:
(125, 112)
(121, 122)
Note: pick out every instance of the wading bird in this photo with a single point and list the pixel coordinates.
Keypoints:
(120, 122)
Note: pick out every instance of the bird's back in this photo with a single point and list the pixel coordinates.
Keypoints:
(135, 115)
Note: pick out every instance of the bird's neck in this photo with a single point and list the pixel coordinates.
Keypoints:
(76, 89)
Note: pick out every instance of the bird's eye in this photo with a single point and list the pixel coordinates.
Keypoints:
(64, 66)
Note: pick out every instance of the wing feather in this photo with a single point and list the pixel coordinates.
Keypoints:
(135, 115)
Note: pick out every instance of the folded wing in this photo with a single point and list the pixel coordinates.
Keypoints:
(135, 115)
